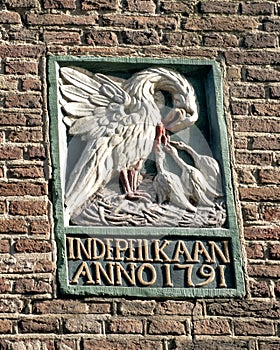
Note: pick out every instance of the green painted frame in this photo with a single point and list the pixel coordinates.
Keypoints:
(219, 144)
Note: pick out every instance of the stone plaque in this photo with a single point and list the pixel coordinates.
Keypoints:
(143, 200)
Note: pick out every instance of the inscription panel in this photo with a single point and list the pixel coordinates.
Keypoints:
(143, 199)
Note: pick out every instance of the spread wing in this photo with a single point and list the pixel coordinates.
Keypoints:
(93, 108)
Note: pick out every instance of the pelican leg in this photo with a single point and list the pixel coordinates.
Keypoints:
(129, 180)
(162, 134)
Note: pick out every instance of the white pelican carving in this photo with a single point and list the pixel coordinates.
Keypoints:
(119, 120)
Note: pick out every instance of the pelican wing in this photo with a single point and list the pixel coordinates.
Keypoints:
(93, 106)
(91, 101)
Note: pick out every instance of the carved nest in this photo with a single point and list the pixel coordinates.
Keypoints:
(110, 208)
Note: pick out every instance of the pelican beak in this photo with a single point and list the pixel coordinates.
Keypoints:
(180, 118)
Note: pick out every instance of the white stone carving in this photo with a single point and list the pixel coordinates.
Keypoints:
(120, 124)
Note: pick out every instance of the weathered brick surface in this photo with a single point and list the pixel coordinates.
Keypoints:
(243, 37)
(211, 327)
(121, 344)
(131, 326)
(166, 327)
(85, 324)
(254, 328)
(60, 4)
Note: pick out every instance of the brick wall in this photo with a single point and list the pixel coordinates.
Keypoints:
(244, 38)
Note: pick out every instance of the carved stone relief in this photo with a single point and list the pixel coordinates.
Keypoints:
(128, 162)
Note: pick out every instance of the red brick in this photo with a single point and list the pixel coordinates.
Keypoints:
(274, 91)
(5, 285)
(260, 40)
(27, 343)
(8, 17)
(241, 142)
(125, 326)
(259, 193)
(259, 289)
(25, 245)
(220, 40)
(140, 37)
(25, 136)
(28, 208)
(180, 39)
(253, 158)
(211, 327)
(218, 7)
(245, 176)
(274, 251)
(8, 83)
(238, 107)
(60, 306)
(60, 19)
(250, 212)
(101, 38)
(24, 35)
(47, 325)
(252, 57)
(221, 23)
(60, 4)
(250, 327)
(234, 74)
(257, 8)
(171, 7)
(4, 246)
(277, 288)
(6, 326)
(21, 67)
(100, 5)
(31, 286)
(142, 6)
(269, 176)
(175, 308)
(247, 91)
(268, 142)
(25, 171)
(271, 213)
(99, 308)
(30, 84)
(13, 226)
(121, 344)
(262, 75)
(140, 22)
(2, 206)
(10, 153)
(166, 326)
(271, 25)
(26, 264)
(141, 308)
(269, 109)
(262, 233)
(22, 189)
(85, 324)
(63, 37)
(184, 343)
(11, 305)
(39, 228)
(19, 118)
(16, 50)
(22, 101)
(36, 152)
(255, 251)
(267, 125)
(244, 308)
(22, 3)
(264, 271)
(269, 344)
